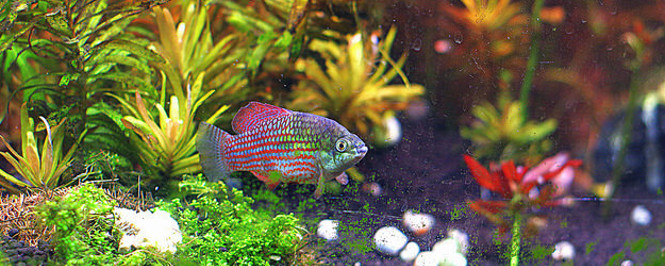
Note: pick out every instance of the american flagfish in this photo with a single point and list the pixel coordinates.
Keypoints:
(279, 145)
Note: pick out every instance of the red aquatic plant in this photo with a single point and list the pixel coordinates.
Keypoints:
(520, 187)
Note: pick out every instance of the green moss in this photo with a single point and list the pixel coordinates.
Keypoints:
(219, 231)
(84, 232)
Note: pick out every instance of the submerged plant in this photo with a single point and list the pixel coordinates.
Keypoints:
(504, 133)
(521, 189)
(40, 169)
(190, 50)
(167, 143)
(219, 231)
(84, 232)
(352, 85)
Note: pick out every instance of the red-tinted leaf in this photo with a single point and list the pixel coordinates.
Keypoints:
(571, 163)
(481, 174)
(489, 206)
(509, 171)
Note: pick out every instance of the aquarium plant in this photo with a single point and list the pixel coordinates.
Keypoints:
(190, 49)
(218, 230)
(167, 142)
(504, 133)
(521, 190)
(37, 168)
(84, 232)
(352, 84)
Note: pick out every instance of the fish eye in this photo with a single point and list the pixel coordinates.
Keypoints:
(341, 145)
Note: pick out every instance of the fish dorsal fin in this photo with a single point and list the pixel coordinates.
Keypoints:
(253, 114)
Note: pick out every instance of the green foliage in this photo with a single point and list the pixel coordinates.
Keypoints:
(193, 52)
(167, 143)
(349, 87)
(84, 232)
(43, 171)
(503, 133)
(219, 231)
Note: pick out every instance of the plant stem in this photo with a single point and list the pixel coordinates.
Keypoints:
(626, 132)
(533, 56)
(515, 241)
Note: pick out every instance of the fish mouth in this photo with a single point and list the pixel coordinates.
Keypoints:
(361, 151)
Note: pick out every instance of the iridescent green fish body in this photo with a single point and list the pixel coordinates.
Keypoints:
(279, 145)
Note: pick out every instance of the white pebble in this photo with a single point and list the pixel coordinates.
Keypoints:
(328, 229)
(418, 223)
(393, 130)
(453, 259)
(390, 240)
(147, 229)
(446, 246)
(640, 215)
(427, 258)
(462, 239)
(409, 252)
(563, 251)
(627, 263)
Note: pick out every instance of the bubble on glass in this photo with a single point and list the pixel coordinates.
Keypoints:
(417, 45)
(458, 37)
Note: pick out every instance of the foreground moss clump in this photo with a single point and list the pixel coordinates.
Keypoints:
(219, 231)
(84, 232)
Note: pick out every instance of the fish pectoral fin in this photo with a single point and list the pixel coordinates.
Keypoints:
(271, 179)
(342, 178)
(320, 187)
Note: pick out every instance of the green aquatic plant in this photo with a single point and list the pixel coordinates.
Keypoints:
(504, 133)
(166, 143)
(219, 231)
(352, 85)
(81, 49)
(190, 49)
(39, 168)
(84, 230)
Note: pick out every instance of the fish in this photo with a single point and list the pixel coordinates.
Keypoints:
(278, 145)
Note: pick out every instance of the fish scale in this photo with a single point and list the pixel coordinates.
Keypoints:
(278, 145)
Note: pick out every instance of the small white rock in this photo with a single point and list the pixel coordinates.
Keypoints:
(409, 252)
(328, 229)
(462, 239)
(427, 258)
(453, 259)
(143, 229)
(446, 246)
(640, 215)
(627, 263)
(393, 130)
(389, 240)
(563, 251)
(418, 223)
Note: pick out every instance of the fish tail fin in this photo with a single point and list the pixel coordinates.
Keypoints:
(211, 143)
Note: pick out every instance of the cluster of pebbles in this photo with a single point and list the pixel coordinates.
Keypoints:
(17, 252)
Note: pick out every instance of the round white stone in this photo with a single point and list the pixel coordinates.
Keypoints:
(328, 229)
(393, 130)
(446, 246)
(453, 259)
(462, 239)
(427, 258)
(563, 251)
(409, 252)
(418, 223)
(144, 229)
(389, 240)
(640, 215)
(627, 263)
